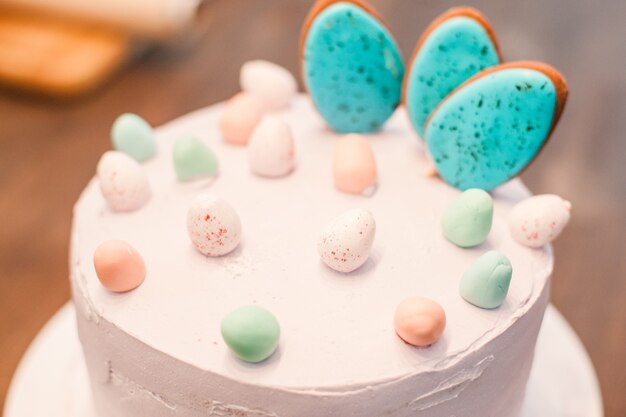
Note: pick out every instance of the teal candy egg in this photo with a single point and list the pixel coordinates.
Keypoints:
(251, 332)
(467, 220)
(492, 127)
(193, 159)
(456, 46)
(133, 135)
(352, 67)
(486, 282)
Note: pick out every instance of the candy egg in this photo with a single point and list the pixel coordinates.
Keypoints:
(351, 65)
(354, 165)
(456, 45)
(492, 126)
(133, 135)
(213, 225)
(271, 148)
(538, 220)
(123, 183)
(271, 83)
(241, 115)
(119, 266)
(193, 159)
(251, 332)
(467, 220)
(345, 243)
(486, 282)
(419, 321)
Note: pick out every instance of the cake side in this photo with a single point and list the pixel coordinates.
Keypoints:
(159, 348)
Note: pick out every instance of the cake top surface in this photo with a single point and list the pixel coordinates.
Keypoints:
(336, 329)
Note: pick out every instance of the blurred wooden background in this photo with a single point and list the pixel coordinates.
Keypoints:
(49, 149)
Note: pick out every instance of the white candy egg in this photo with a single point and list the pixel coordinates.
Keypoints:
(123, 182)
(538, 220)
(213, 225)
(271, 148)
(271, 83)
(345, 243)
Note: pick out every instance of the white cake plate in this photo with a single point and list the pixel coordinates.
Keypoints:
(51, 380)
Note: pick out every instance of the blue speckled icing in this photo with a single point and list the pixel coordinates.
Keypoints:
(488, 131)
(453, 52)
(352, 68)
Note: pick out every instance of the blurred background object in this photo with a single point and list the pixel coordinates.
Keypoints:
(49, 148)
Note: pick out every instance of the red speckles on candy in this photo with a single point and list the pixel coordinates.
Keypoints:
(207, 217)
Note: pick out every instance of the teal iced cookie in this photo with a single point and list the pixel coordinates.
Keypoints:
(133, 135)
(352, 66)
(456, 46)
(193, 159)
(490, 128)
(251, 332)
(486, 282)
(467, 220)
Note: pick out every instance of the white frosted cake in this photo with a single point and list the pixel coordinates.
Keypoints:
(157, 351)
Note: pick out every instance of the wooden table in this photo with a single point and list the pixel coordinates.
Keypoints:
(49, 150)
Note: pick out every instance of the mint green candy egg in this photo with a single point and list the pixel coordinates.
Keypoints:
(133, 135)
(486, 282)
(251, 332)
(467, 220)
(193, 159)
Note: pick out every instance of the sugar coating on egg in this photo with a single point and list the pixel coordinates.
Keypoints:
(354, 164)
(539, 220)
(241, 115)
(467, 220)
(119, 267)
(346, 241)
(419, 321)
(123, 182)
(193, 159)
(271, 150)
(251, 332)
(133, 135)
(269, 82)
(213, 225)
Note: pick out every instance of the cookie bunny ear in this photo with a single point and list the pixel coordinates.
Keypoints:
(492, 126)
(351, 65)
(454, 47)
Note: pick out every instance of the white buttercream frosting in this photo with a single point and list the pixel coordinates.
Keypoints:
(157, 351)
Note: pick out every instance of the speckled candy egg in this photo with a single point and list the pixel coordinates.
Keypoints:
(240, 117)
(119, 266)
(123, 183)
(213, 225)
(419, 321)
(352, 66)
(538, 220)
(345, 243)
(251, 332)
(270, 83)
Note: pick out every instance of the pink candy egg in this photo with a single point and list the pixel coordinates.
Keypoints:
(419, 321)
(354, 166)
(241, 115)
(213, 225)
(123, 183)
(119, 266)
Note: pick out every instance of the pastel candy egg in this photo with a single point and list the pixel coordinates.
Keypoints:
(240, 117)
(345, 243)
(538, 220)
(123, 183)
(119, 266)
(271, 148)
(354, 166)
(213, 225)
(491, 127)
(467, 220)
(352, 66)
(486, 282)
(251, 332)
(271, 83)
(133, 135)
(193, 159)
(456, 46)
(419, 321)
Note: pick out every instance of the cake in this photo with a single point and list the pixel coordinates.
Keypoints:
(159, 345)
